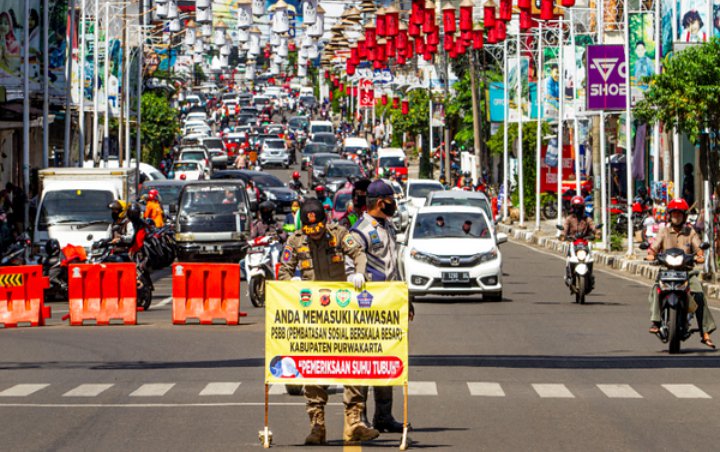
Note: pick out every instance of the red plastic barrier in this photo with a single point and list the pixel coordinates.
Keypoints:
(207, 293)
(102, 294)
(22, 296)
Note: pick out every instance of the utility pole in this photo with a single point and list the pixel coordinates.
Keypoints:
(121, 93)
(68, 87)
(476, 118)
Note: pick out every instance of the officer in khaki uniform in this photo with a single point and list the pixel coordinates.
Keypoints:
(318, 252)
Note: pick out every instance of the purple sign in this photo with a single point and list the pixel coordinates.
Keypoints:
(606, 80)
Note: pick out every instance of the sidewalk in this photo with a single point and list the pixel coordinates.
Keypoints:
(632, 265)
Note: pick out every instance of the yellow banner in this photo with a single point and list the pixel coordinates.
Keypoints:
(327, 333)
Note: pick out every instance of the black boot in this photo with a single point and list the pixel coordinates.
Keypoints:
(383, 421)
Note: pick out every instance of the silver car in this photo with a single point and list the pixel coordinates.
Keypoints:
(274, 153)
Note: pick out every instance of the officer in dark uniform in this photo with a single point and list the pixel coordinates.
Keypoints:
(318, 251)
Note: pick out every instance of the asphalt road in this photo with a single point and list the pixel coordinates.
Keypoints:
(534, 372)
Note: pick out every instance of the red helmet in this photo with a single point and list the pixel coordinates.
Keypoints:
(319, 188)
(296, 175)
(677, 205)
(153, 195)
(577, 200)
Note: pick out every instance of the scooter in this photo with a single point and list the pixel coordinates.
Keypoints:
(579, 267)
(261, 261)
(19, 253)
(673, 282)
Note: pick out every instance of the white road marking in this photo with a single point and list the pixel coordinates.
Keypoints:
(219, 389)
(277, 390)
(615, 391)
(422, 388)
(163, 302)
(152, 405)
(687, 392)
(88, 390)
(485, 389)
(553, 391)
(23, 390)
(152, 390)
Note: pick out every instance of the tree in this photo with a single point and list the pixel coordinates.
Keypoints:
(159, 126)
(686, 96)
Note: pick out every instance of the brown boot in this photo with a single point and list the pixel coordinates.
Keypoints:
(317, 425)
(355, 429)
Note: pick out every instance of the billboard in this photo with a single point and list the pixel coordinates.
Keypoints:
(642, 53)
(606, 72)
(12, 22)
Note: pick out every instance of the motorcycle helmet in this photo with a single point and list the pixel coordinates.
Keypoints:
(134, 212)
(52, 247)
(577, 204)
(296, 175)
(118, 209)
(153, 195)
(312, 217)
(678, 205)
(267, 212)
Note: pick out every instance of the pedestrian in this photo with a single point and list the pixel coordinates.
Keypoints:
(6, 235)
(319, 251)
(377, 236)
(17, 204)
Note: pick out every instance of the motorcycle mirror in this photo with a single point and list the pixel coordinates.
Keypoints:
(89, 237)
(704, 245)
(646, 245)
(559, 228)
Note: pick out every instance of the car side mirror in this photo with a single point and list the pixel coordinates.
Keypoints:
(501, 238)
(402, 239)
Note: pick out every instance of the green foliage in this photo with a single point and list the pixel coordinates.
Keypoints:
(686, 94)
(159, 126)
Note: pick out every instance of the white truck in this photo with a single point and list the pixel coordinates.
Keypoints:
(73, 207)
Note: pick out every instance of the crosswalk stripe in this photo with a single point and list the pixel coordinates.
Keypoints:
(23, 390)
(88, 390)
(687, 392)
(485, 389)
(277, 390)
(553, 391)
(422, 388)
(615, 391)
(152, 390)
(218, 388)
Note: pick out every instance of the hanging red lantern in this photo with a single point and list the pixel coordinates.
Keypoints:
(370, 35)
(414, 29)
(429, 22)
(390, 49)
(567, 3)
(370, 53)
(500, 30)
(477, 35)
(401, 59)
(466, 36)
(354, 55)
(384, 99)
(330, 95)
(409, 51)
(466, 12)
(459, 47)
(433, 38)
(336, 83)
(419, 45)
(417, 12)
(505, 10)
(362, 50)
(392, 21)
(526, 21)
(377, 64)
(349, 68)
(380, 22)
(402, 38)
(342, 86)
(491, 39)
(448, 13)
(524, 4)
(380, 51)
(546, 9)
(427, 55)
(347, 90)
(396, 102)
(354, 91)
(489, 14)
(432, 48)
(405, 109)
(327, 74)
(448, 42)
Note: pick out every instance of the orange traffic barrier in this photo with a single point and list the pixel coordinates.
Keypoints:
(102, 294)
(205, 293)
(22, 296)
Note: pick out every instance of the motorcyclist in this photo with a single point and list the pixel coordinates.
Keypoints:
(324, 199)
(265, 222)
(680, 235)
(122, 229)
(153, 209)
(296, 184)
(577, 223)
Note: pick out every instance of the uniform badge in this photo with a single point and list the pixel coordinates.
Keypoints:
(305, 264)
(303, 249)
(333, 240)
(287, 252)
(375, 239)
(337, 258)
(311, 217)
(350, 241)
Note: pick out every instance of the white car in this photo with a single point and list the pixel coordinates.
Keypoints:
(451, 250)
(416, 191)
(196, 116)
(189, 170)
(274, 153)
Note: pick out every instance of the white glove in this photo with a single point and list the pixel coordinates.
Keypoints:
(358, 279)
(296, 278)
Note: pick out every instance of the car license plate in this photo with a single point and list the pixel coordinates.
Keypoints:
(211, 249)
(673, 275)
(455, 277)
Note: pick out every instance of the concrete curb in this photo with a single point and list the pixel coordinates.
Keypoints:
(632, 267)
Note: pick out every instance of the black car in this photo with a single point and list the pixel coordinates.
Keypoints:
(317, 165)
(169, 191)
(338, 172)
(326, 138)
(271, 188)
(311, 149)
(213, 221)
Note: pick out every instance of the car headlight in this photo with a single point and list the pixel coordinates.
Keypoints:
(180, 237)
(489, 256)
(581, 255)
(422, 257)
(674, 261)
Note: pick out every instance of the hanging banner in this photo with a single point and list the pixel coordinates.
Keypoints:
(496, 110)
(367, 93)
(551, 84)
(693, 23)
(667, 19)
(58, 39)
(327, 333)
(606, 72)
(549, 165)
(642, 53)
(12, 23)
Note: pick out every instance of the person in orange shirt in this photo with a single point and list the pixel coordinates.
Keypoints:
(153, 209)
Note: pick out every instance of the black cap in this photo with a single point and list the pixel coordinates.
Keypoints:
(312, 212)
(361, 184)
(379, 189)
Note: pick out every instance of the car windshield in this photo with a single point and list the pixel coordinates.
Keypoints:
(213, 143)
(169, 194)
(314, 148)
(186, 166)
(315, 128)
(391, 162)
(261, 101)
(298, 122)
(343, 171)
(421, 190)
(469, 201)
(355, 149)
(275, 144)
(75, 206)
(451, 225)
(319, 161)
(192, 155)
(341, 201)
(325, 138)
(211, 200)
(267, 180)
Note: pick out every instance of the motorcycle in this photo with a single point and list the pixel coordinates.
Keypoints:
(579, 267)
(261, 261)
(19, 253)
(673, 282)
